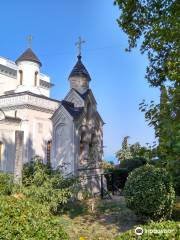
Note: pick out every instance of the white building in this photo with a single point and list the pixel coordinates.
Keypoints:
(67, 134)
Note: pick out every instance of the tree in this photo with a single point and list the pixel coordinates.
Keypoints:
(157, 24)
(124, 152)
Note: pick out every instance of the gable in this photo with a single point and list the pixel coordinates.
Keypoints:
(75, 98)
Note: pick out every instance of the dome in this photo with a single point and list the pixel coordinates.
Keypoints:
(79, 70)
(30, 56)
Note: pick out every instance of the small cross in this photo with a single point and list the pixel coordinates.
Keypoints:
(29, 40)
(79, 45)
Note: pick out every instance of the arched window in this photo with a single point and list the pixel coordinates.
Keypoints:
(21, 77)
(49, 144)
(35, 78)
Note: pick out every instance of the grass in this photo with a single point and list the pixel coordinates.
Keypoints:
(108, 219)
(105, 222)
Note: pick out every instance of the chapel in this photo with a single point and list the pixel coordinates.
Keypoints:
(66, 134)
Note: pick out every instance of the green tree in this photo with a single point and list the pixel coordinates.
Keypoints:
(124, 152)
(156, 23)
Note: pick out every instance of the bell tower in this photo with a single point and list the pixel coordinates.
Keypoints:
(79, 77)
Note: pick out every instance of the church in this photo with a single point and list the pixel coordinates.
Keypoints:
(66, 134)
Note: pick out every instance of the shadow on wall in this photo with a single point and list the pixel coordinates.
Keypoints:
(8, 153)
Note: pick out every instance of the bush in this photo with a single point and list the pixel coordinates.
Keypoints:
(6, 184)
(131, 164)
(118, 176)
(25, 219)
(154, 231)
(149, 191)
(47, 186)
(174, 169)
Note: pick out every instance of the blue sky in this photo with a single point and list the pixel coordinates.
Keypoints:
(118, 79)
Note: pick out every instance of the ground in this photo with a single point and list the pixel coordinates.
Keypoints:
(107, 220)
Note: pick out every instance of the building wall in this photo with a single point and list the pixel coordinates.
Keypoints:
(63, 142)
(7, 138)
(37, 128)
(10, 78)
(7, 82)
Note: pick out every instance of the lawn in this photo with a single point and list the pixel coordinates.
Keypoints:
(109, 219)
(105, 222)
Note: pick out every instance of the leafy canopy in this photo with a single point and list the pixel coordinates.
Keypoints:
(156, 23)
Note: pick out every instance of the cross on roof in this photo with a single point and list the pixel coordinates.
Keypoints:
(79, 45)
(29, 40)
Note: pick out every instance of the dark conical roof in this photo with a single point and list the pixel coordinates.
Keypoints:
(29, 55)
(80, 70)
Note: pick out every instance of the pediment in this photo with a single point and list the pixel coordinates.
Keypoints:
(75, 98)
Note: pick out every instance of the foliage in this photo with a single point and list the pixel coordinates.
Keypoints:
(26, 219)
(117, 177)
(131, 164)
(174, 169)
(165, 118)
(157, 24)
(154, 231)
(124, 152)
(6, 183)
(134, 151)
(107, 165)
(148, 191)
(47, 186)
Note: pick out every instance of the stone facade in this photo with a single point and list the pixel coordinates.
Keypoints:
(67, 134)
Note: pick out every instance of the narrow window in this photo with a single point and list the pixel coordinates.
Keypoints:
(35, 78)
(21, 77)
(1, 151)
(49, 144)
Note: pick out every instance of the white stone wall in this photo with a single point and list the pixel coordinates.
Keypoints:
(81, 84)
(7, 83)
(10, 77)
(63, 142)
(7, 137)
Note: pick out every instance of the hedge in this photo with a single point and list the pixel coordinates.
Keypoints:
(165, 230)
(24, 219)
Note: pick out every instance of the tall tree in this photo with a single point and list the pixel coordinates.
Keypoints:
(156, 24)
(124, 152)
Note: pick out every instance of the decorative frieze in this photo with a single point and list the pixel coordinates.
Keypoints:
(29, 101)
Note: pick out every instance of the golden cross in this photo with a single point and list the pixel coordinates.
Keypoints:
(79, 45)
(29, 39)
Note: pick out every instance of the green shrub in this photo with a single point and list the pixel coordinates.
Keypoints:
(35, 172)
(6, 183)
(154, 231)
(174, 169)
(47, 186)
(24, 219)
(149, 191)
(131, 164)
